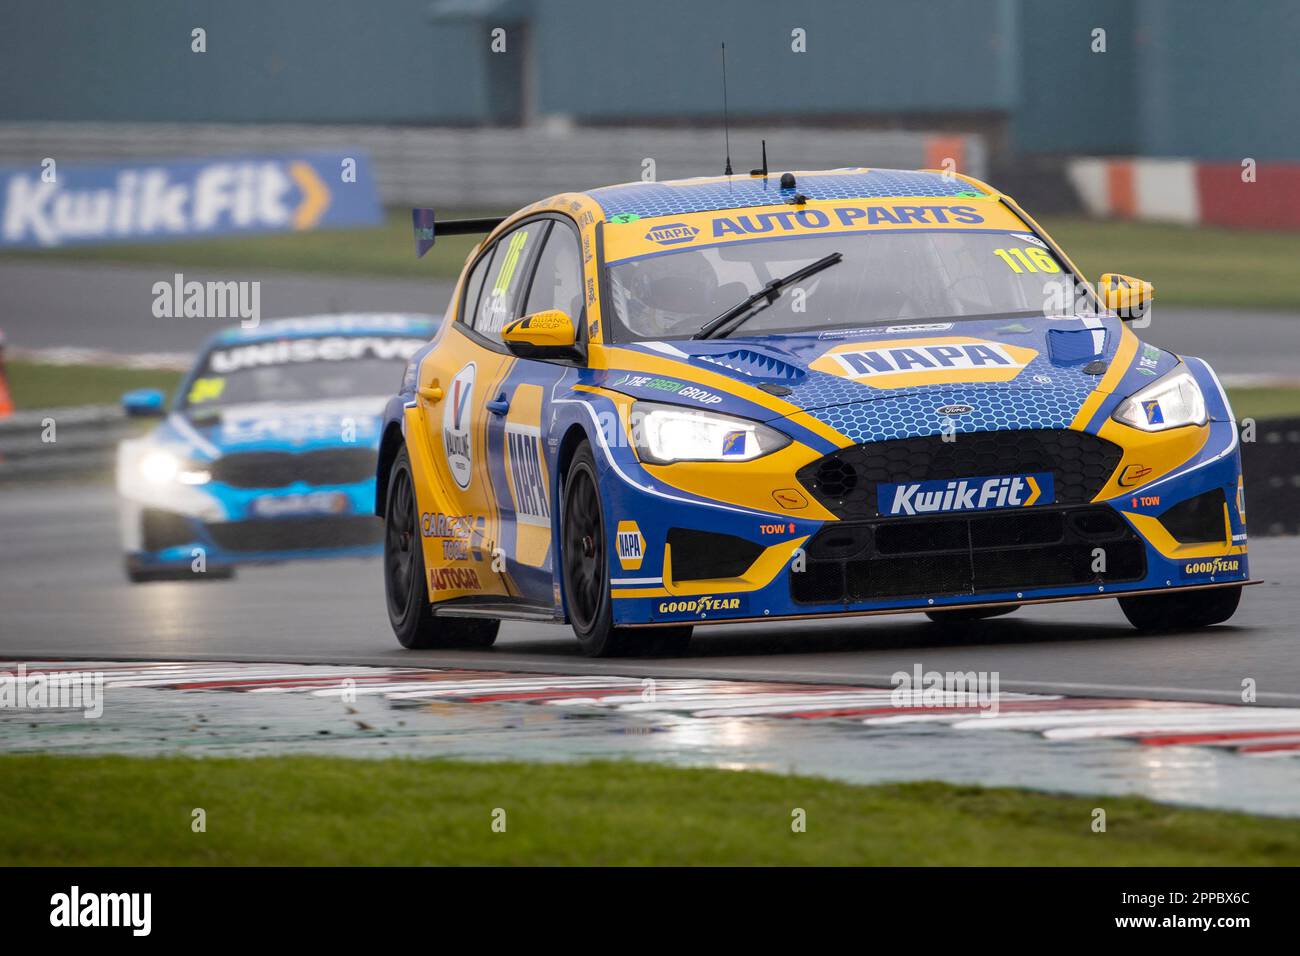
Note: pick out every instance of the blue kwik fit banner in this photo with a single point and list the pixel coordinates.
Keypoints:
(178, 199)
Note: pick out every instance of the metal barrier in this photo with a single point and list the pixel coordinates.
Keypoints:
(491, 167)
(84, 442)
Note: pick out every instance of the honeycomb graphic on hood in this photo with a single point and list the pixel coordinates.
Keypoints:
(916, 413)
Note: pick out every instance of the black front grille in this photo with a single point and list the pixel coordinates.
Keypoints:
(698, 555)
(275, 469)
(845, 481)
(297, 534)
(967, 554)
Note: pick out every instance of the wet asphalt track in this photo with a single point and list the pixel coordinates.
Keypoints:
(63, 595)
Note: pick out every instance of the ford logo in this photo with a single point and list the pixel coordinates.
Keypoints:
(954, 409)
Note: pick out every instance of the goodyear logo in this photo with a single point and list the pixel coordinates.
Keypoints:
(672, 234)
(700, 605)
(630, 544)
(932, 361)
(1215, 566)
(965, 494)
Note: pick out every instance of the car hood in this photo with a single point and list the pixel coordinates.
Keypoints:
(900, 380)
(276, 426)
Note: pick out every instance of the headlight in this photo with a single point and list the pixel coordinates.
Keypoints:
(1169, 402)
(159, 467)
(668, 433)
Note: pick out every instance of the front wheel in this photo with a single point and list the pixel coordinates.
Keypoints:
(409, 611)
(1181, 610)
(586, 573)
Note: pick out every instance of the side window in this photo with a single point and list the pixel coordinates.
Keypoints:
(505, 279)
(473, 286)
(557, 281)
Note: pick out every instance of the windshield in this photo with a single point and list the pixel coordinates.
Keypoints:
(890, 279)
(299, 370)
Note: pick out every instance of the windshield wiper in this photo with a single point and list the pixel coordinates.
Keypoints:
(740, 312)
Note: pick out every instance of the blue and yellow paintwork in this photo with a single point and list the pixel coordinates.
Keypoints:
(551, 406)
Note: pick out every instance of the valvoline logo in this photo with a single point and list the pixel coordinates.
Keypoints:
(965, 494)
(458, 445)
(672, 233)
(459, 399)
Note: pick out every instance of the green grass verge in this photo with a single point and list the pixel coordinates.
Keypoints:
(386, 250)
(1188, 266)
(1265, 402)
(36, 385)
(324, 811)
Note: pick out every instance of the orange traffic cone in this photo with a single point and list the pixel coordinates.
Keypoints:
(6, 402)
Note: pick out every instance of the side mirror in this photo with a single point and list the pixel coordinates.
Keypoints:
(144, 403)
(1124, 295)
(548, 334)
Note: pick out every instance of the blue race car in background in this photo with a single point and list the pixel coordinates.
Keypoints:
(268, 451)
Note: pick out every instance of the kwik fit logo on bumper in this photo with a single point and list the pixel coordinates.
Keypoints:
(965, 494)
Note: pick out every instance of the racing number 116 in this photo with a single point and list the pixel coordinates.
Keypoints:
(1032, 260)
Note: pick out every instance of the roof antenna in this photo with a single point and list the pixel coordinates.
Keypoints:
(761, 172)
(726, 127)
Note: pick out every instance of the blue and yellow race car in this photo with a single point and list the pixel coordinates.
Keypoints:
(753, 398)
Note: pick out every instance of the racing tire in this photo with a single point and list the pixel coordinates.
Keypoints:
(1183, 611)
(586, 573)
(409, 611)
(142, 575)
(966, 615)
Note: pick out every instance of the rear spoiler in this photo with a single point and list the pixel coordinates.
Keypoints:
(422, 221)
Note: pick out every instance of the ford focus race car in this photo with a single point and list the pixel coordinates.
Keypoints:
(658, 405)
(268, 451)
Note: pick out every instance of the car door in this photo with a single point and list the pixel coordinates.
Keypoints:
(518, 412)
(460, 514)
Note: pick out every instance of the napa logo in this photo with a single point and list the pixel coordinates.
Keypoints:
(630, 544)
(527, 479)
(927, 361)
(458, 445)
(965, 494)
(672, 233)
